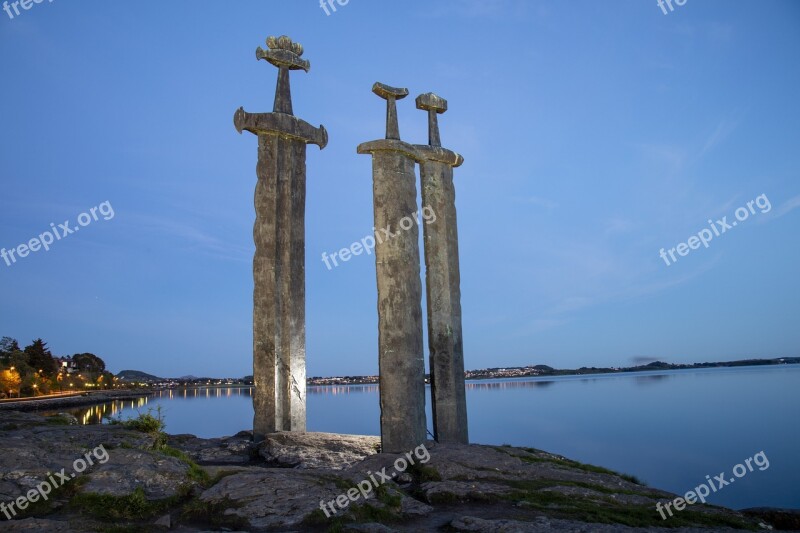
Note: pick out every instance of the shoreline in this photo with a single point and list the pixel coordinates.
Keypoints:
(48, 404)
(198, 484)
(577, 373)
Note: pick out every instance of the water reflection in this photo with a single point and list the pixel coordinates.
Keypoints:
(335, 390)
(650, 380)
(487, 385)
(101, 413)
(97, 414)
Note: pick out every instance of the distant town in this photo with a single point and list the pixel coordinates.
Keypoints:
(33, 371)
(137, 378)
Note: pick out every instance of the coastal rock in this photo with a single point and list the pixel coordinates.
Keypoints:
(411, 507)
(543, 525)
(68, 419)
(372, 527)
(462, 491)
(31, 451)
(35, 525)
(236, 450)
(157, 475)
(11, 420)
(270, 498)
(165, 522)
(317, 450)
(782, 519)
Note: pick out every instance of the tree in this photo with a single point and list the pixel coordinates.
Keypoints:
(19, 362)
(8, 347)
(10, 381)
(87, 362)
(40, 358)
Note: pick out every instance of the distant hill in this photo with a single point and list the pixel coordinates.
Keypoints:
(135, 375)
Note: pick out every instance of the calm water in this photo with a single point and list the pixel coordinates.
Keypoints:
(670, 429)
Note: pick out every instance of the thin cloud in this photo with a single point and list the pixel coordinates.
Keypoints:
(664, 155)
(617, 225)
(788, 206)
(480, 9)
(722, 132)
(191, 235)
(540, 325)
(571, 304)
(539, 202)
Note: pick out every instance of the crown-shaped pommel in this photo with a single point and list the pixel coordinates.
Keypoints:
(283, 53)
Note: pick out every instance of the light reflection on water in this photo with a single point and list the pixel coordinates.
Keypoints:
(125, 409)
(96, 414)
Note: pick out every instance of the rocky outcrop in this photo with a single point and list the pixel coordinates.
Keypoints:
(543, 524)
(236, 450)
(317, 450)
(268, 498)
(317, 482)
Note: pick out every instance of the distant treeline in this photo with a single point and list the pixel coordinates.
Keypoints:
(544, 370)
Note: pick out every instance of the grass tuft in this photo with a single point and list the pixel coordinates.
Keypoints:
(196, 472)
(134, 506)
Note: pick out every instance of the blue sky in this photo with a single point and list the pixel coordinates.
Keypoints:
(594, 133)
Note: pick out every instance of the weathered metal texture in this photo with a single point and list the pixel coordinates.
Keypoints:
(443, 281)
(397, 262)
(279, 355)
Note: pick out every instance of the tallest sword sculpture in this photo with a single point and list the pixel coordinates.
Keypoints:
(279, 343)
